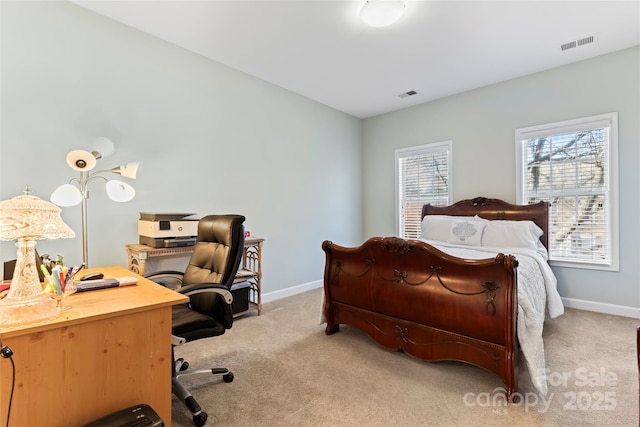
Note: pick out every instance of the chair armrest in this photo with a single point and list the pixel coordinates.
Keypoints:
(199, 288)
(172, 278)
(176, 340)
(170, 273)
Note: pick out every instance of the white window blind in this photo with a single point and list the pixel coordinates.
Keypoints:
(573, 166)
(423, 175)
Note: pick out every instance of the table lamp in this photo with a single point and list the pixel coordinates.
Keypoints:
(27, 218)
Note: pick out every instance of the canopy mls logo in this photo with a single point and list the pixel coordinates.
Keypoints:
(592, 391)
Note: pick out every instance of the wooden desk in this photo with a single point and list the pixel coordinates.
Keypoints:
(109, 351)
(250, 270)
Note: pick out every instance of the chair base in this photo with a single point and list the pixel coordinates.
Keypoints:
(181, 392)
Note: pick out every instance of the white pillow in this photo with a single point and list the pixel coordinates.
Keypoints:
(519, 234)
(438, 227)
(466, 232)
(542, 250)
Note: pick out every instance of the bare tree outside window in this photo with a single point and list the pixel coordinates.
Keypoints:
(423, 176)
(571, 170)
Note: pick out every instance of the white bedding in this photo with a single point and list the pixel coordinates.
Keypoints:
(537, 290)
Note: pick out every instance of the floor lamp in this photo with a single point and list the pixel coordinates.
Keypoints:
(77, 190)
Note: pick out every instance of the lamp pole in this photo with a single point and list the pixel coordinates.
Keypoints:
(83, 184)
(85, 195)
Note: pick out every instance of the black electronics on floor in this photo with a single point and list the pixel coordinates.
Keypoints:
(240, 292)
(135, 416)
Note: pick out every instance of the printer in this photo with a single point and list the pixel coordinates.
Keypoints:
(167, 230)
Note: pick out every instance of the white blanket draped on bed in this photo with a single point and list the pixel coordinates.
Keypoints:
(537, 289)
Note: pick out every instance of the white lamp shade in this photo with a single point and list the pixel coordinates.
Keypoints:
(119, 191)
(381, 13)
(130, 170)
(102, 147)
(66, 195)
(81, 160)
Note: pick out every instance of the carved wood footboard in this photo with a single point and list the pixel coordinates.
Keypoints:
(409, 296)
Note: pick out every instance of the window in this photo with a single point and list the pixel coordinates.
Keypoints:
(423, 175)
(573, 165)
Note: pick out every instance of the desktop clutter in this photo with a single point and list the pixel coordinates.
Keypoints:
(60, 279)
(56, 276)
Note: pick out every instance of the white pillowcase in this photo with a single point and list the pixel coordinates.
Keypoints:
(519, 234)
(496, 233)
(466, 232)
(438, 227)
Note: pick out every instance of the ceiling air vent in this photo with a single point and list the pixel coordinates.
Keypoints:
(579, 42)
(407, 94)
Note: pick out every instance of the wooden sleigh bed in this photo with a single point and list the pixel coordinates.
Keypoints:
(409, 296)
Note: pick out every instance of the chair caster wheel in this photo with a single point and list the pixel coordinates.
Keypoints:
(200, 419)
(228, 377)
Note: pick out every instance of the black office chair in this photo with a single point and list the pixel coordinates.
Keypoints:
(207, 281)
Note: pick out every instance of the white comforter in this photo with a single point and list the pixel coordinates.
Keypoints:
(537, 288)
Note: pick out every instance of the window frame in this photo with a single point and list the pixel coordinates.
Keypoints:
(611, 190)
(425, 149)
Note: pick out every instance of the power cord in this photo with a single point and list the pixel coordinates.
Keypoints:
(6, 353)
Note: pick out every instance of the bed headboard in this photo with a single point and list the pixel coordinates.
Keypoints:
(496, 209)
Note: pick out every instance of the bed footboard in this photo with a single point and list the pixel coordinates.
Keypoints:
(409, 296)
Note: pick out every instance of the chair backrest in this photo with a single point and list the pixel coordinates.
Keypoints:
(218, 250)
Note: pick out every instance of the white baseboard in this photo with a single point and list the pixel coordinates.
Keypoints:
(599, 307)
(298, 289)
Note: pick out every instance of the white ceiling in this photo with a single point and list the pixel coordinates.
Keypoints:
(321, 50)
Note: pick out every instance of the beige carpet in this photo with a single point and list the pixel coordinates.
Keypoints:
(289, 373)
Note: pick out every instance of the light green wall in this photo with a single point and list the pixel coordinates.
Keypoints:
(212, 140)
(481, 124)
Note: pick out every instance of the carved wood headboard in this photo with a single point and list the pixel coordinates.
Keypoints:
(496, 209)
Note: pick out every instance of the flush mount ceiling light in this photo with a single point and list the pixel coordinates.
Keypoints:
(381, 13)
